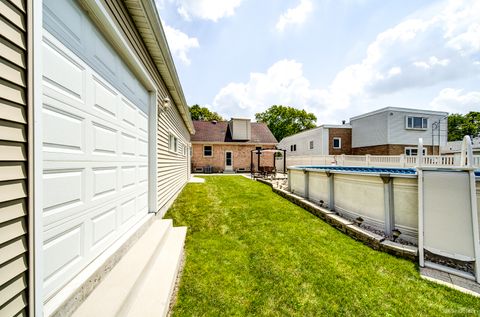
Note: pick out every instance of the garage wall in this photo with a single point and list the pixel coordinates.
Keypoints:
(173, 167)
(13, 158)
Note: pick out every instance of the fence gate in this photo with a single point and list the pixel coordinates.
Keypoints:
(448, 220)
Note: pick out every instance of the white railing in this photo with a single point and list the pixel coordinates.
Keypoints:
(374, 160)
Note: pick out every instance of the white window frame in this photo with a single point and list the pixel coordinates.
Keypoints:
(311, 145)
(410, 148)
(339, 143)
(211, 150)
(172, 143)
(412, 127)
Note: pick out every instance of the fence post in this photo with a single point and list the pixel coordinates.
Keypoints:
(305, 176)
(343, 159)
(388, 203)
(289, 178)
(367, 159)
(331, 191)
(402, 160)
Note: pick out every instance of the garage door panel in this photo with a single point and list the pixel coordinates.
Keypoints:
(142, 122)
(128, 144)
(104, 225)
(105, 140)
(105, 97)
(63, 16)
(128, 176)
(63, 73)
(72, 127)
(104, 182)
(129, 113)
(62, 252)
(55, 198)
(143, 174)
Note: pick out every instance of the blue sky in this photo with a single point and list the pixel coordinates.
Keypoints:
(335, 58)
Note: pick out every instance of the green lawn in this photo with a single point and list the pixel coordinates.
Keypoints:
(251, 252)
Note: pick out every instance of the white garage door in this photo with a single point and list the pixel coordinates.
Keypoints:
(95, 150)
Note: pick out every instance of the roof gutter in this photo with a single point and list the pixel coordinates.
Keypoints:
(164, 61)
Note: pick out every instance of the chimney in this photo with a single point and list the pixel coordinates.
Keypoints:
(241, 129)
(343, 122)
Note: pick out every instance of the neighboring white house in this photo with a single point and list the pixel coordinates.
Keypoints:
(94, 142)
(322, 140)
(454, 147)
(394, 131)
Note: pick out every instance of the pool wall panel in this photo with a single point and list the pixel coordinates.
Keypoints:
(360, 195)
(297, 182)
(405, 200)
(318, 187)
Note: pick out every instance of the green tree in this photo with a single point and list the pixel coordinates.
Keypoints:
(460, 125)
(284, 121)
(203, 114)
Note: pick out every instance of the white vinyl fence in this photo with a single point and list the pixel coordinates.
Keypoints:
(374, 160)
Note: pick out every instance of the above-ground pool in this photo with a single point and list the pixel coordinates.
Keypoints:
(385, 198)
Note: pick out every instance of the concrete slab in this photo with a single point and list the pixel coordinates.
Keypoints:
(456, 282)
(196, 180)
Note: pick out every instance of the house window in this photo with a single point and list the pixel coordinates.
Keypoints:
(173, 143)
(337, 143)
(417, 123)
(412, 151)
(311, 145)
(293, 148)
(207, 150)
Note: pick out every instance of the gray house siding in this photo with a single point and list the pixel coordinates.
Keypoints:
(398, 134)
(370, 131)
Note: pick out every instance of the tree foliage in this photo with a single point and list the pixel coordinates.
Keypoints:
(203, 114)
(460, 125)
(284, 120)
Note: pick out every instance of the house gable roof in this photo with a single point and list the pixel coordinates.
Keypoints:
(208, 131)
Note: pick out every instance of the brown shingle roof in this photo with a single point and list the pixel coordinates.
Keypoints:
(207, 131)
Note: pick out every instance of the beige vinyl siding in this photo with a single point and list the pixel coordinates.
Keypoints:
(172, 168)
(13, 159)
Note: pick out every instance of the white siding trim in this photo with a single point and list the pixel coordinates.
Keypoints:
(152, 153)
(36, 246)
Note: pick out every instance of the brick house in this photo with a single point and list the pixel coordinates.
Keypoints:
(226, 146)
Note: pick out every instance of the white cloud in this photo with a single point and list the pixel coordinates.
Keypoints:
(432, 49)
(431, 62)
(456, 101)
(419, 52)
(212, 10)
(296, 15)
(283, 83)
(180, 43)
